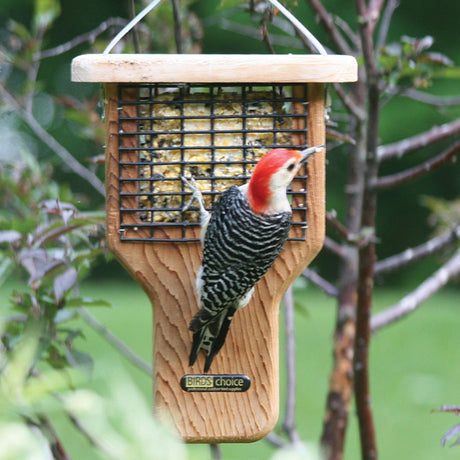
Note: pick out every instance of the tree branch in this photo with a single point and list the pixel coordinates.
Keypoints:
(431, 99)
(366, 254)
(328, 22)
(426, 167)
(374, 11)
(135, 35)
(334, 247)
(400, 148)
(331, 218)
(417, 253)
(177, 26)
(216, 451)
(386, 20)
(86, 37)
(413, 300)
(348, 101)
(114, 341)
(289, 417)
(66, 157)
(327, 287)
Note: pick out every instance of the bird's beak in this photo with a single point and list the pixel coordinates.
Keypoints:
(307, 153)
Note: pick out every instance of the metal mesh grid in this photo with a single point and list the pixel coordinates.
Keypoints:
(213, 132)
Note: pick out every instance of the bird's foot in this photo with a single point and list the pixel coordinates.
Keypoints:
(196, 194)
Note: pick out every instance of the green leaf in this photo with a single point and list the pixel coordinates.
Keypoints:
(46, 11)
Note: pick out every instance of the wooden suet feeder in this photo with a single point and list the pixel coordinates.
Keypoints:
(211, 117)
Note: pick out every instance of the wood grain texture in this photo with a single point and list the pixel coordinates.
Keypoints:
(209, 68)
(167, 272)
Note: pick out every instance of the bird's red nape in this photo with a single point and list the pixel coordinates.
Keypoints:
(259, 192)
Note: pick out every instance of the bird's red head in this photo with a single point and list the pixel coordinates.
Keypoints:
(260, 189)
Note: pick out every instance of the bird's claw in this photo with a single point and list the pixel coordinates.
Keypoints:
(196, 193)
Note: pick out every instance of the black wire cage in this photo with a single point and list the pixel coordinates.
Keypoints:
(213, 132)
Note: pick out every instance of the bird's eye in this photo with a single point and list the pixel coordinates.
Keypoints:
(291, 167)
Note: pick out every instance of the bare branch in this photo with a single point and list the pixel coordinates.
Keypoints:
(331, 218)
(53, 144)
(86, 37)
(426, 167)
(289, 417)
(334, 247)
(216, 451)
(437, 101)
(386, 20)
(327, 287)
(177, 26)
(400, 148)
(348, 101)
(248, 31)
(417, 253)
(373, 12)
(114, 341)
(275, 440)
(413, 300)
(328, 22)
(366, 255)
(134, 33)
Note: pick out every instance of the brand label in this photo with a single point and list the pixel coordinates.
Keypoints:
(217, 382)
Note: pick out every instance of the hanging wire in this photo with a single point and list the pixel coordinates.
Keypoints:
(301, 28)
(295, 22)
(130, 25)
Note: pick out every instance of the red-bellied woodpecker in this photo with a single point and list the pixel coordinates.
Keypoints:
(241, 240)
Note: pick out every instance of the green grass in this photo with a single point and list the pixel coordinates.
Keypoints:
(414, 369)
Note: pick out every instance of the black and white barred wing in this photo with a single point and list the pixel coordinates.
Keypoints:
(239, 248)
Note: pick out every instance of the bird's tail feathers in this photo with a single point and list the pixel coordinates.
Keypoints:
(210, 330)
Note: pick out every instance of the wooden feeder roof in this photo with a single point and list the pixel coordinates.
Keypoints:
(210, 68)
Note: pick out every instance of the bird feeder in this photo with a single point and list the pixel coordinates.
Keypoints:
(211, 117)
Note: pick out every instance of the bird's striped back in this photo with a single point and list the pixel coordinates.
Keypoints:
(240, 246)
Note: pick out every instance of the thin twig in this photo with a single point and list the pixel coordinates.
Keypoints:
(386, 21)
(400, 148)
(431, 99)
(55, 443)
(348, 101)
(177, 26)
(374, 11)
(328, 22)
(117, 343)
(331, 218)
(289, 417)
(134, 33)
(275, 440)
(86, 37)
(53, 144)
(413, 300)
(334, 247)
(216, 452)
(327, 287)
(417, 253)
(393, 180)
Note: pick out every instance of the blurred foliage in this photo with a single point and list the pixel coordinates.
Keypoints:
(411, 64)
(119, 425)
